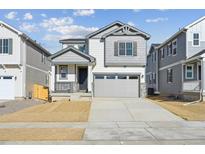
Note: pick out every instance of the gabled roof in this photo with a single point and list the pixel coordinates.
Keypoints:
(197, 55)
(172, 37)
(147, 36)
(184, 29)
(195, 22)
(104, 28)
(90, 58)
(25, 37)
(153, 45)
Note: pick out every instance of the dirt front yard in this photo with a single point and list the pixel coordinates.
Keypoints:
(41, 134)
(195, 112)
(63, 111)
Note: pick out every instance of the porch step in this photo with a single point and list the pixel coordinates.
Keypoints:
(75, 96)
(71, 96)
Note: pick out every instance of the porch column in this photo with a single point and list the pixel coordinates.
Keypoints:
(90, 78)
(52, 85)
(203, 77)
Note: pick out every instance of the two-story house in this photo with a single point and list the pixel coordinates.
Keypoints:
(109, 62)
(23, 62)
(180, 64)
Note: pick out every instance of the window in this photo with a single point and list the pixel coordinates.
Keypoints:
(167, 49)
(125, 48)
(174, 47)
(129, 48)
(189, 72)
(169, 75)
(155, 56)
(63, 69)
(110, 77)
(154, 77)
(170, 49)
(43, 58)
(133, 77)
(5, 46)
(81, 48)
(122, 77)
(99, 76)
(162, 53)
(195, 39)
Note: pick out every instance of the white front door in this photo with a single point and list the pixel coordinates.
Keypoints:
(7, 88)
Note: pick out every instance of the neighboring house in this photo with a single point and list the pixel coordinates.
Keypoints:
(181, 63)
(109, 62)
(151, 69)
(23, 63)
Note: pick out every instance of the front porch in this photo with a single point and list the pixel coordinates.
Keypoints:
(71, 73)
(70, 78)
(192, 76)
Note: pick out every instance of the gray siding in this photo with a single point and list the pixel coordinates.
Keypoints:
(34, 76)
(192, 50)
(37, 72)
(151, 68)
(181, 52)
(34, 58)
(174, 88)
(112, 60)
(70, 57)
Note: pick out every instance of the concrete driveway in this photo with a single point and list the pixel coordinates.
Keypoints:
(128, 110)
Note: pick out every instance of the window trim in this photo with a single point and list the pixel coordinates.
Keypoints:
(125, 42)
(194, 39)
(192, 77)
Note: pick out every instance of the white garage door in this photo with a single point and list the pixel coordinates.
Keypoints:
(6, 87)
(116, 85)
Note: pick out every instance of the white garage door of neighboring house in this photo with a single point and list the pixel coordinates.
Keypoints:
(6, 88)
(116, 85)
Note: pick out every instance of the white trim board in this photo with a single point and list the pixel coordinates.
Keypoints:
(37, 68)
(171, 65)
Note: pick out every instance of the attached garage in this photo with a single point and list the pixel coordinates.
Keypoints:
(7, 87)
(116, 85)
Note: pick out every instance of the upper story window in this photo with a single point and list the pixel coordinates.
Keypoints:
(170, 75)
(63, 70)
(189, 72)
(154, 77)
(162, 54)
(155, 56)
(81, 48)
(174, 47)
(170, 49)
(43, 58)
(6, 46)
(125, 48)
(196, 39)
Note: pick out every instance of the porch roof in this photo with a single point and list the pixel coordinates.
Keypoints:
(71, 55)
(197, 56)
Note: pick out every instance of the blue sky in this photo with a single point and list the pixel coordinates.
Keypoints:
(48, 26)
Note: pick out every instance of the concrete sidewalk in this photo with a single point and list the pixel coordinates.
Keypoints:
(170, 132)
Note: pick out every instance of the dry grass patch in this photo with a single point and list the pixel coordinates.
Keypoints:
(192, 112)
(63, 111)
(41, 134)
